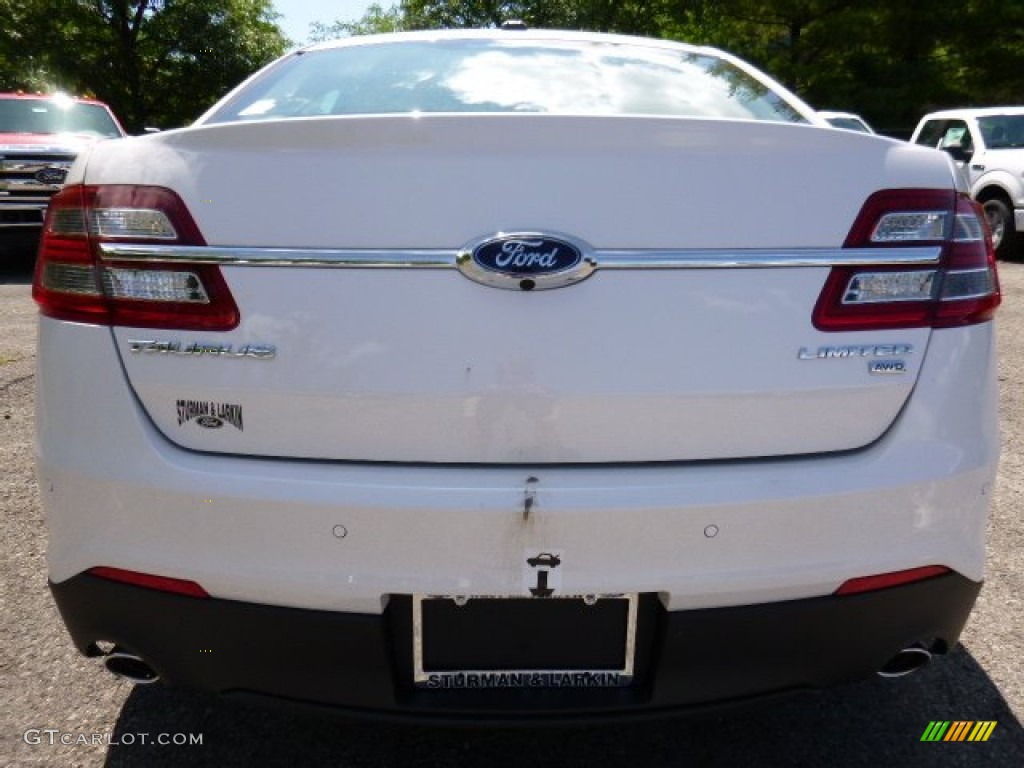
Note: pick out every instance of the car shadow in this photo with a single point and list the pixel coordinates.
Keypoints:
(875, 722)
(15, 269)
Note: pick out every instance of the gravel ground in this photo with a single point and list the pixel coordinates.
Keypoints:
(45, 684)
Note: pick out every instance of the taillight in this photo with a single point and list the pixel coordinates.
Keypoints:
(960, 287)
(74, 282)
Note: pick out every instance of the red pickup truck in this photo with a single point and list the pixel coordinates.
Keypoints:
(40, 136)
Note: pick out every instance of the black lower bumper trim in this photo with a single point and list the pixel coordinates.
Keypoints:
(362, 663)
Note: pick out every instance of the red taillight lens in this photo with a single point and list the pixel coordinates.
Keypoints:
(893, 579)
(150, 581)
(962, 288)
(970, 286)
(73, 281)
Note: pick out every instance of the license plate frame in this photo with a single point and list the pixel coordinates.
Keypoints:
(428, 674)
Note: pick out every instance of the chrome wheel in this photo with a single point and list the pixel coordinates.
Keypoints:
(996, 223)
(999, 216)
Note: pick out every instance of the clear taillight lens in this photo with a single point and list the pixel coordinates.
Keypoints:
(910, 227)
(961, 289)
(73, 281)
(132, 224)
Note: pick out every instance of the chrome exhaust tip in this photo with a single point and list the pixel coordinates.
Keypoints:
(128, 666)
(906, 661)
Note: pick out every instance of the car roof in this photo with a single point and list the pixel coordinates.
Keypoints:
(549, 35)
(974, 112)
(50, 97)
(827, 113)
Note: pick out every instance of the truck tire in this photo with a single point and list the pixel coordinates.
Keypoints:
(1000, 221)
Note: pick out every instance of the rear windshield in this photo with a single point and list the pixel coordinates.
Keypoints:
(55, 116)
(505, 76)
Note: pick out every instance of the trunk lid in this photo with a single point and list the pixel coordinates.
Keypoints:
(396, 356)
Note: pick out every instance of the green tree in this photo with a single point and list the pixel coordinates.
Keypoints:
(154, 61)
(986, 52)
(641, 17)
(164, 61)
(462, 14)
(625, 16)
(375, 21)
(20, 65)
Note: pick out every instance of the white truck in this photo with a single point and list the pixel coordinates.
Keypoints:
(988, 147)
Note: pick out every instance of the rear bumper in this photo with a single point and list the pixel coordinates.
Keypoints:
(351, 662)
(336, 536)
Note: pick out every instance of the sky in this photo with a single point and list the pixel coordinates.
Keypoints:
(296, 15)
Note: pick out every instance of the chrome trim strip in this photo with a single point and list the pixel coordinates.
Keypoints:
(36, 149)
(29, 164)
(447, 259)
(281, 257)
(20, 186)
(758, 258)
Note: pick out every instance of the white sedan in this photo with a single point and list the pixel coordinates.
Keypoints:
(846, 120)
(511, 374)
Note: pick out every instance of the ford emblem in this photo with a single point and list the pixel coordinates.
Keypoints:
(52, 175)
(526, 261)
